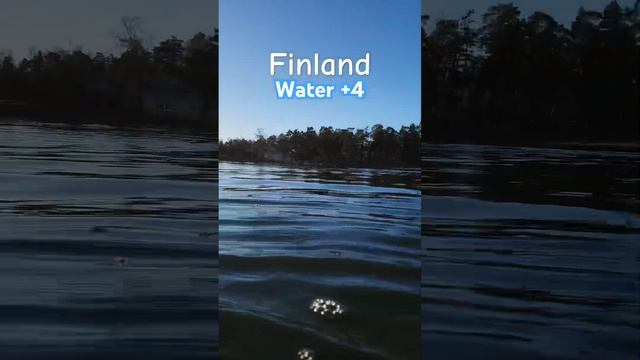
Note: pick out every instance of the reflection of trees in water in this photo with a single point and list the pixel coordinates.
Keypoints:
(529, 175)
(515, 78)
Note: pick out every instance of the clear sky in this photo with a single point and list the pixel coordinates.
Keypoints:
(251, 29)
(564, 11)
(90, 24)
(46, 24)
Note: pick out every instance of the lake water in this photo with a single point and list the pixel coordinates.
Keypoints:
(530, 253)
(108, 243)
(290, 235)
(108, 249)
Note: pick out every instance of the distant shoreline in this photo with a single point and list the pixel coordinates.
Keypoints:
(126, 121)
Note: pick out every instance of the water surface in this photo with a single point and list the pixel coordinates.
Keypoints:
(107, 243)
(289, 235)
(530, 253)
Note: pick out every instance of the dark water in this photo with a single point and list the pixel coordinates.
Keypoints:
(289, 235)
(530, 253)
(107, 243)
(108, 250)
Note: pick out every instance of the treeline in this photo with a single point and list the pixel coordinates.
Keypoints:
(378, 146)
(70, 81)
(512, 78)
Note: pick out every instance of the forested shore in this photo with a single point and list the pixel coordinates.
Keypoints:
(377, 146)
(500, 77)
(171, 82)
(509, 78)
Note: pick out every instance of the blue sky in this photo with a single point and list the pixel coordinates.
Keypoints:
(564, 11)
(251, 29)
(46, 24)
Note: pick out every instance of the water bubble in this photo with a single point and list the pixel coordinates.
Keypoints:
(306, 354)
(327, 308)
